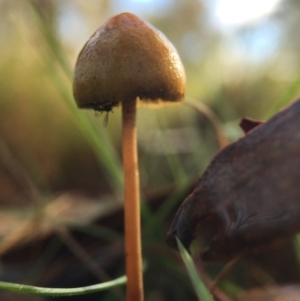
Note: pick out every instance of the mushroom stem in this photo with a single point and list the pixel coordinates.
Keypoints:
(132, 203)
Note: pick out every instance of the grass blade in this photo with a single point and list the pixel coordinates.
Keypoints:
(285, 99)
(201, 290)
(45, 291)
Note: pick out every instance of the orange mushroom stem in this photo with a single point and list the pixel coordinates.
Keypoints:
(133, 247)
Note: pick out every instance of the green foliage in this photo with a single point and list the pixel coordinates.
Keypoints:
(199, 287)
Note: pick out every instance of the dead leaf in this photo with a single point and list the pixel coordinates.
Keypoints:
(249, 196)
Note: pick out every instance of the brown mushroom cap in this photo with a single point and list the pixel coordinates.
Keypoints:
(127, 58)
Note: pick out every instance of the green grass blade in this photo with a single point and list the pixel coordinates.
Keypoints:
(45, 291)
(155, 219)
(285, 99)
(54, 52)
(199, 287)
(53, 43)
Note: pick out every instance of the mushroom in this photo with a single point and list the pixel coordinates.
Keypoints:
(128, 61)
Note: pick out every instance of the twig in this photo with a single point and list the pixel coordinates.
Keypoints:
(217, 293)
(212, 118)
(83, 256)
(228, 266)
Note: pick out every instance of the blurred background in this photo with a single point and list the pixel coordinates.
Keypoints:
(60, 168)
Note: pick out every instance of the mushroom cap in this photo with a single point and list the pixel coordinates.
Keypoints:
(124, 59)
